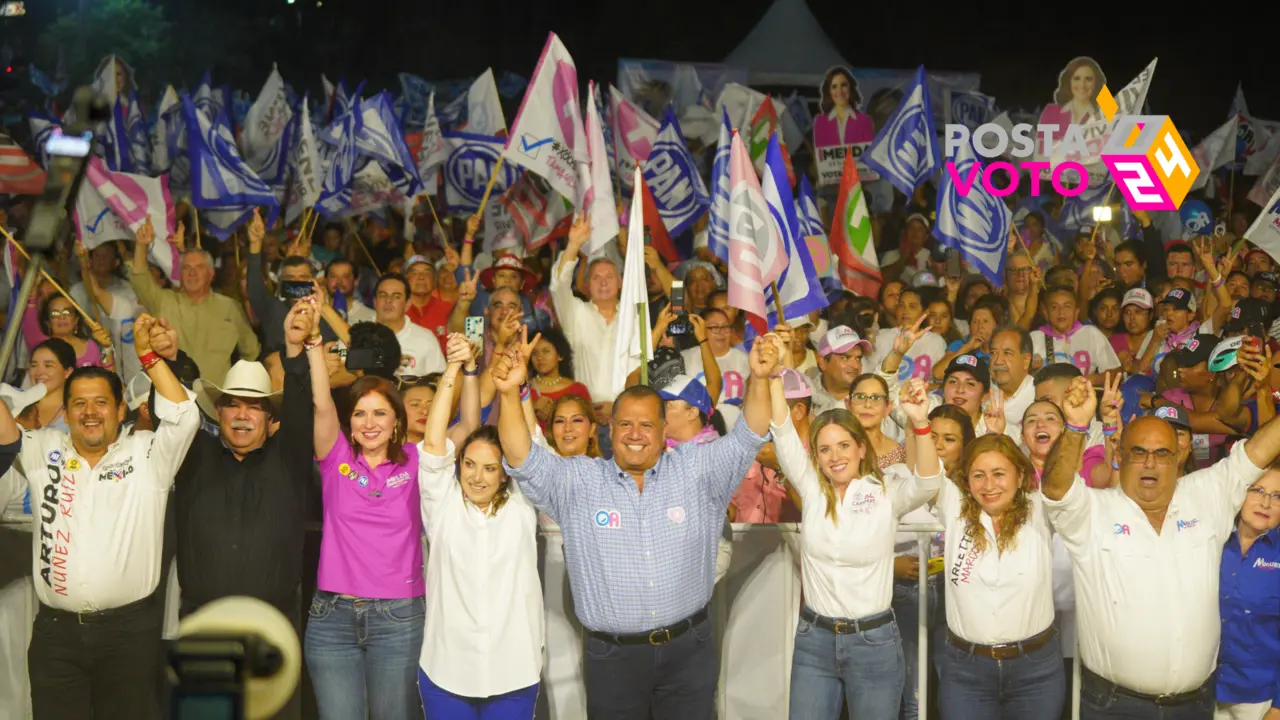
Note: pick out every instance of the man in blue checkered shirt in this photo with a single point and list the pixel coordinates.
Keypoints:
(640, 540)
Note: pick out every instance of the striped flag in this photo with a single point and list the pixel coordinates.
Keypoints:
(798, 287)
(756, 255)
(850, 238)
(19, 174)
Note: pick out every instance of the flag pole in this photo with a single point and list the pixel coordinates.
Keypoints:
(493, 178)
(44, 273)
(432, 206)
(777, 303)
(196, 212)
(643, 327)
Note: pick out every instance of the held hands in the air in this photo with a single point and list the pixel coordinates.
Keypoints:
(914, 398)
(1080, 403)
(764, 360)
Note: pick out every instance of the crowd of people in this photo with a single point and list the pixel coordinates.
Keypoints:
(1096, 436)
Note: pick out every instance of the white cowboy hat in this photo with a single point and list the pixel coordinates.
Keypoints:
(245, 379)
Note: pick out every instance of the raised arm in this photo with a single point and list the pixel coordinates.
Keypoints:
(914, 399)
(297, 419)
(175, 408)
(1078, 407)
(466, 294)
(710, 368)
(434, 438)
(149, 293)
(327, 427)
(765, 361)
(469, 406)
(508, 371)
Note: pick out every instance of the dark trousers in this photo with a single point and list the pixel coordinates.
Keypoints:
(1099, 700)
(104, 667)
(639, 682)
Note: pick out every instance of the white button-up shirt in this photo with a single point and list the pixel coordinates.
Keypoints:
(995, 597)
(1015, 405)
(847, 565)
(1147, 603)
(589, 334)
(484, 622)
(99, 530)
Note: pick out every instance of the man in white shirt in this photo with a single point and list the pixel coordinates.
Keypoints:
(1011, 352)
(1146, 557)
(1066, 340)
(419, 350)
(732, 362)
(104, 265)
(98, 501)
(840, 353)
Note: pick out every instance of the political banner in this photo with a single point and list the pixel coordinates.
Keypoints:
(840, 128)
(471, 162)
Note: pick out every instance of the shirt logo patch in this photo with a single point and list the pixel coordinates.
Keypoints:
(1187, 524)
(608, 519)
(344, 469)
(675, 515)
(352, 475)
(73, 464)
(364, 481)
(1263, 564)
(55, 457)
(398, 480)
(116, 471)
(1121, 529)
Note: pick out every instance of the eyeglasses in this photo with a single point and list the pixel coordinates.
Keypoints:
(869, 399)
(54, 314)
(1139, 455)
(1260, 494)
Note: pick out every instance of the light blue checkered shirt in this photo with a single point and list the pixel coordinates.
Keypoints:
(640, 561)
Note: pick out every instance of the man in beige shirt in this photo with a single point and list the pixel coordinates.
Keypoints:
(209, 325)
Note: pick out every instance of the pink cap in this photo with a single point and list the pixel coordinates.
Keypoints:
(794, 386)
(840, 340)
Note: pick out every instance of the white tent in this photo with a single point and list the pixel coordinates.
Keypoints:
(787, 47)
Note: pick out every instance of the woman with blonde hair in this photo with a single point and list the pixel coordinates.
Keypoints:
(847, 646)
(1002, 658)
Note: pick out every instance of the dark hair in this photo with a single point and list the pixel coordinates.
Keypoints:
(1134, 248)
(331, 226)
(957, 415)
(185, 369)
(1039, 216)
(556, 337)
(997, 305)
(94, 372)
(1241, 273)
(703, 314)
(1057, 371)
(62, 352)
(373, 384)
(641, 392)
(485, 434)
(1055, 289)
(1179, 246)
(294, 261)
(716, 293)
(339, 261)
(377, 337)
(855, 97)
(973, 280)
(885, 287)
(1112, 293)
(398, 277)
(45, 326)
(1025, 346)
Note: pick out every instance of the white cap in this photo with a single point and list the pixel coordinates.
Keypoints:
(1139, 297)
(137, 391)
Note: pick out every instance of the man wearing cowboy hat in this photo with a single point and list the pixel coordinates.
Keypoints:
(240, 498)
(509, 272)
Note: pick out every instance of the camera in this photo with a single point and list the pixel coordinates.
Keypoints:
(296, 289)
(680, 325)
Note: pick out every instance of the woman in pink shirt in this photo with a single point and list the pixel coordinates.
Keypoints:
(840, 123)
(364, 634)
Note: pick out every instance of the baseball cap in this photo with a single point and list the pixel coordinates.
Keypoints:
(683, 387)
(1195, 351)
(972, 364)
(794, 386)
(414, 261)
(1267, 277)
(923, 279)
(1175, 415)
(1248, 311)
(840, 340)
(1139, 297)
(138, 390)
(1180, 298)
(1223, 356)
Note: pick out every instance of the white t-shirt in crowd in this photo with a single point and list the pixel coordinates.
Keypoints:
(359, 312)
(484, 622)
(1084, 346)
(734, 371)
(1015, 405)
(995, 597)
(847, 566)
(99, 531)
(419, 351)
(1147, 603)
(919, 360)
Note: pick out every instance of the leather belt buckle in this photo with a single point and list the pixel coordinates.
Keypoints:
(840, 627)
(661, 636)
(1005, 652)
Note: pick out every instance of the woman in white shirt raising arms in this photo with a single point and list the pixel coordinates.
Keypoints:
(847, 644)
(1002, 659)
(482, 648)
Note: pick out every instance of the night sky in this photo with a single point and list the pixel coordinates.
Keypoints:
(1018, 49)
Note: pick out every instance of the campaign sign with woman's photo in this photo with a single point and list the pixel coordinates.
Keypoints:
(840, 127)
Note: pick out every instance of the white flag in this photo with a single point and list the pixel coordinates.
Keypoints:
(633, 306)
(434, 150)
(1215, 151)
(262, 140)
(1265, 231)
(599, 196)
(306, 174)
(547, 136)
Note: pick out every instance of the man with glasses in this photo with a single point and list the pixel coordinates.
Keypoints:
(419, 350)
(1146, 558)
(732, 361)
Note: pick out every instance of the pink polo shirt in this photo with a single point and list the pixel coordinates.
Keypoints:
(371, 546)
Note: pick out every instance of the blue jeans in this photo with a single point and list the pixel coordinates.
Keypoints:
(1098, 701)
(865, 669)
(906, 608)
(1028, 687)
(363, 653)
(444, 705)
(638, 682)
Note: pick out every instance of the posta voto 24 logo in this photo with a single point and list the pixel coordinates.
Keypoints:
(1145, 155)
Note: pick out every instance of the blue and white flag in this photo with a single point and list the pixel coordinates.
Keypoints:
(42, 126)
(207, 99)
(672, 176)
(414, 94)
(220, 179)
(718, 223)
(976, 225)
(377, 135)
(336, 190)
(466, 173)
(810, 221)
(139, 136)
(42, 81)
(798, 287)
(113, 141)
(905, 151)
(305, 172)
(168, 114)
(266, 139)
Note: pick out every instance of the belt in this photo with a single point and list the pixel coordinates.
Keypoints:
(841, 626)
(1163, 699)
(97, 616)
(1003, 651)
(659, 636)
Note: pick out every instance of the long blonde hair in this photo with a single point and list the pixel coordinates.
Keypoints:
(1017, 514)
(845, 420)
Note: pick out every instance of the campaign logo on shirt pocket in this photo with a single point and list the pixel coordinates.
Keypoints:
(609, 519)
(676, 514)
(398, 480)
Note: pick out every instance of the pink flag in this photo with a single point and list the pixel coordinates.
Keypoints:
(634, 133)
(756, 256)
(599, 197)
(132, 198)
(547, 136)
